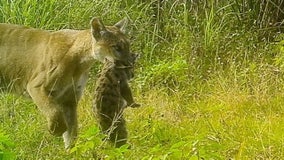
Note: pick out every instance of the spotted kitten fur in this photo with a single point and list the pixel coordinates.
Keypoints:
(112, 95)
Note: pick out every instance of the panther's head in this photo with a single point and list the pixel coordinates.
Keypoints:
(110, 42)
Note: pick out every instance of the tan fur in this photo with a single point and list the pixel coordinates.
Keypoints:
(52, 67)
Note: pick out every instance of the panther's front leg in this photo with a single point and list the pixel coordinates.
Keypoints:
(69, 101)
(52, 110)
(60, 109)
(70, 115)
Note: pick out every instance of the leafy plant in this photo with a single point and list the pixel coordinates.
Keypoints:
(6, 146)
(87, 142)
(91, 145)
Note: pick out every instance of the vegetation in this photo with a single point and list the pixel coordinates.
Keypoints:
(5, 145)
(210, 81)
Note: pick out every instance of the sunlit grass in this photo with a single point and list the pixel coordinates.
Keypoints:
(220, 125)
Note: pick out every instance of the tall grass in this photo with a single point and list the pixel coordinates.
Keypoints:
(210, 80)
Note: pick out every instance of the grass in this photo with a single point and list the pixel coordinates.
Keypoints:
(210, 82)
(219, 126)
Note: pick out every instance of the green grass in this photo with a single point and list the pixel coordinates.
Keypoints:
(219, 126)
(210, 81)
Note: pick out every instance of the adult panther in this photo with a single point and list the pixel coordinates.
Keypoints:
(52, 67)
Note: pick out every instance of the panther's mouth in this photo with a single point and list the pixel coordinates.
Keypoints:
(121, 64)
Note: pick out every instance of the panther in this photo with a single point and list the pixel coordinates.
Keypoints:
(112, 95)
(51, 67)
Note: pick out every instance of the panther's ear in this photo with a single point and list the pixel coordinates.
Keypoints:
(98, 28)
(122, 24)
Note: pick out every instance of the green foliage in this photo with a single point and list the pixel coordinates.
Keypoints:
(6, 146)
(170, 73)
(90, 145)
(259, 13)
(279, 59)
(88, 141)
